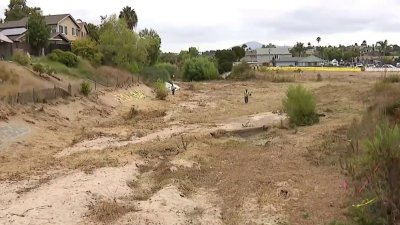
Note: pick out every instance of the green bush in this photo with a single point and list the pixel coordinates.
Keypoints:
(85, 88)
(21, 58)
(171, 68)
(49, 70)
(242, 71)
(160, 89)
(39, 68)
(87, 49)
(153, 74)
(199, 68)
(66, 58)
(300, 106)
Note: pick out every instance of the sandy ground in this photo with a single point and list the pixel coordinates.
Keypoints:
(200, 157)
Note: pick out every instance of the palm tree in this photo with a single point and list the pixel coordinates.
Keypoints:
(309, 44)
(244, 46)
(382, 46)
(130, 17)
(318, 40)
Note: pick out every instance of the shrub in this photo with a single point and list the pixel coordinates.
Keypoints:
(39, 68)
(242, 71)
(66, 58)
(319, 78)
(171, 68)
(85, 88)
(300, 105)
(153, 74)
(21, 58)
(50, 70)
(281, 79)
(199, 68)
(87, 49)
(160, 89)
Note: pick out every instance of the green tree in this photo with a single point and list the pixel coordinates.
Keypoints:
(129, 15)
(153, 44)
(199, 68)
(169, 57)
(270, 45)
(225, 59)
(1, 20)
(193, 52)
(119, 45)
(239, 52)
(93, 32)
(88, 49)
(17, 9)
(183, 56)
(299, 49)
(38, 32)
(382, 46)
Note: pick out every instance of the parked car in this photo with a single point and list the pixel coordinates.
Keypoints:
(334, 62)
(388, 66)
(359, 65)
(371, 66)
(398, 65)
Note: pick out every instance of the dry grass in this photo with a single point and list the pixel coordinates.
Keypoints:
(107, 211)
(88, 162)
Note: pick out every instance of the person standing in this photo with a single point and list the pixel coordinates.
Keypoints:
(173, 88)
(246, 96)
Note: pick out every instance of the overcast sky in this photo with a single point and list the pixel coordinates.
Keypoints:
(217, 24)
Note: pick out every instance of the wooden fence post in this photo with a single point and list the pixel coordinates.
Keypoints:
(69, 90)
(33, 95)
(95, 85)
(55, 92)
(107, 81)
(18, 98)
(117, 83)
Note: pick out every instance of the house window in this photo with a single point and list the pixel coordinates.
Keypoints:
(53, 29)
(73, 31)
(61, 29)
(66, 30)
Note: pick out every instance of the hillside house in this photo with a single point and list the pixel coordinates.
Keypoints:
(64, 30)
(266, 55)
(280, 56)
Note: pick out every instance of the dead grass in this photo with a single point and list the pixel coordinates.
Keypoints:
(279, 78)
(88, 162)
(107, 211)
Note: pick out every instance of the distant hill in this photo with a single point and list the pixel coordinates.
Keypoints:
(253, 44)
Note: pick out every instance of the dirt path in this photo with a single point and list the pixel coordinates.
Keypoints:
(65, 199)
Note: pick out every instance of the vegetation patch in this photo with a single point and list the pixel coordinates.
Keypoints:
(161, 90)
(199, 68)
(107, 211)
(85, 88)
(242, 71)
(300, 106)
(21, 58)
(67, 58)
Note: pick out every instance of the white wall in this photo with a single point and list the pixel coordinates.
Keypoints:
(382, 69)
